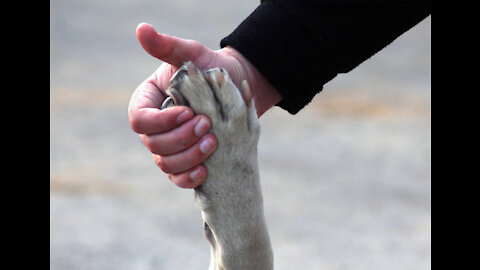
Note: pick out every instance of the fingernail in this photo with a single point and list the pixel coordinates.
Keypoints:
(201, 127)
(184, 116)
(196, 175)
(207, 145)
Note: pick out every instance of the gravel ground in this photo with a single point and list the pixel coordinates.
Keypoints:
(346, 181)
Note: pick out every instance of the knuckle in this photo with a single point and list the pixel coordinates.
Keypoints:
(180, 181)
(147, 141)
(136, 125)
(155, 148)
(156, 144)
(183, 139)
(163, 165)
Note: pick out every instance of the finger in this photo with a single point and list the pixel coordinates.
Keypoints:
(153, 120)
(191, 178)
(189, 158)
(178, 139)
(172, 50)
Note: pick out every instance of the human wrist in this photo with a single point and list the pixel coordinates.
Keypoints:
(263, 92)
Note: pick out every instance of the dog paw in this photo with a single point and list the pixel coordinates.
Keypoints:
(212, 93)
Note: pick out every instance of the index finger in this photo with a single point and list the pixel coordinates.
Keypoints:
(145, 115)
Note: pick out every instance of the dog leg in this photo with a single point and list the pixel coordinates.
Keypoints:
(231, 198)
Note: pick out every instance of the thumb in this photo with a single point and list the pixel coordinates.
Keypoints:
(172, 50)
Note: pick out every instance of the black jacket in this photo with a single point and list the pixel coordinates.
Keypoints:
(299, 45)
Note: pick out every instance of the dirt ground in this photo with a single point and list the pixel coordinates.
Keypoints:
(346, 181)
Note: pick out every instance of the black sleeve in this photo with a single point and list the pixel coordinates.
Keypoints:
(301, 45)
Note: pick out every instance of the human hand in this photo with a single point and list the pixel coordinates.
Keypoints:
(177, 138)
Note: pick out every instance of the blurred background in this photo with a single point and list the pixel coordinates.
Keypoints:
(346, 181)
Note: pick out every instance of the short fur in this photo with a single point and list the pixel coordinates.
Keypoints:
(230, 199)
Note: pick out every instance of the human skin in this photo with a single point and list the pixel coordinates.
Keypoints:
(179, 139)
